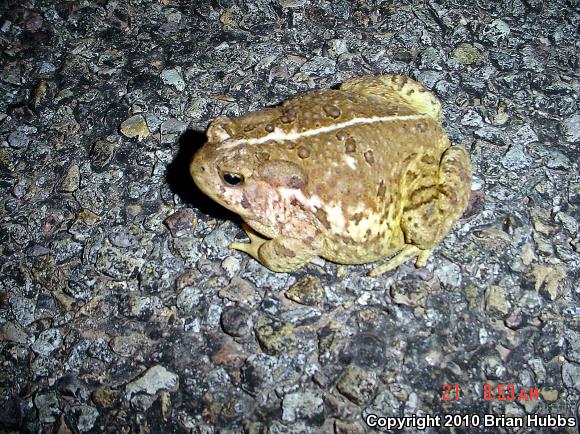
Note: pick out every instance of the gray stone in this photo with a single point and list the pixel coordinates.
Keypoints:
(231, 265)
(335, 47)
(153, 380)
(496, 31)
(571, 128)
(319, 66)
(492, 134)
(516, 158)
(173, 77)
(449, 274)
(307, 405)
(23, 309)
(357, 384)
(13, 332)
(557, 160)
(236, 321)
(524, 135)
(472, 119)
(47, 342)
(142, 307)
(85, 416)
(18, 139)
(189, 298)
(262, 371)
(171, 129)
(571, 375)
(117, 263)
(47, 406)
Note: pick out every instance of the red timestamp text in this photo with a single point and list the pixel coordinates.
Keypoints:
(499, 392)
(510, 392)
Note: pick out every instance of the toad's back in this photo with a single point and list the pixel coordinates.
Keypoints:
(362, 154)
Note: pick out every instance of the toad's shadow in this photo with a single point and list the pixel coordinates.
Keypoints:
(182, 184)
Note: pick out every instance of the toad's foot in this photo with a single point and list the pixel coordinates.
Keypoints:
(408, 252)
(281, 255)
(252, 248)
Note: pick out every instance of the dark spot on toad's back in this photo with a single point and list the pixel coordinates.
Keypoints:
(350, 145)
(332, 111)
(290, 115)
(303, 152)
(296, 182)
(382, 189)
(369, 157)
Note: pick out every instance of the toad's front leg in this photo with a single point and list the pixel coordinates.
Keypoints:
(281, 255)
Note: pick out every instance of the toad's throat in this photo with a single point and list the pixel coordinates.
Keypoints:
(279, 135)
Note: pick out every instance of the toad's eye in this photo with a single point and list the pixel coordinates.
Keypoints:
(233, 178)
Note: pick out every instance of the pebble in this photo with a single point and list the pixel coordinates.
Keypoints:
(262, 371)
(467, 54)
(237, 321)
(516, 158)
(367, 350)
(231, 266)
(357, 384)
(449, 274)
(153, 380)
(116, 263)
(496, 300)
(47, 342)
(85, 417)
(135, 126)
(307, 405)
(496, 31)
(181, 222)
(101, 154)
(557, 160)
(275, 336)
(171, 129)
(47, 406)
(18, 139)
(308, 291)
(172, 77)
(571, 375)
(12, 332)
(571, 128)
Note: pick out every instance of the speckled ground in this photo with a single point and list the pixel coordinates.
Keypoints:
(121, 308)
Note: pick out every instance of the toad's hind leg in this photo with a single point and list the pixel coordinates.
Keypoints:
(431, 210)
(398, 88)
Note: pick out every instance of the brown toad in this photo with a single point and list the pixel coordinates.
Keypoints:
(351, 175)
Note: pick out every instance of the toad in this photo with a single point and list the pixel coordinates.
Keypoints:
(351, 175)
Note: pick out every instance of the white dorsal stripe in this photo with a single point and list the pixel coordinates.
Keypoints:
(279, 135)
